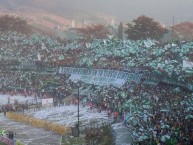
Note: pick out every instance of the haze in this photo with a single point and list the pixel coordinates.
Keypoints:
(121, 10)
(127, 10)
(161, 10)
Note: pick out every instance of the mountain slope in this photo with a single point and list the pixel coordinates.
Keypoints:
(51, 13)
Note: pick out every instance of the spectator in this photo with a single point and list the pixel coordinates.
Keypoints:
(3, 133)
(115, 116)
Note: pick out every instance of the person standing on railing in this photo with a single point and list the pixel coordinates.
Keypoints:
(3, 132)
(11, 135)
(4, 112)
(91, 105)
(115, 116)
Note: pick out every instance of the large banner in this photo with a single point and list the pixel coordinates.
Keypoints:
(6, 140)
(47, 101)
(100, 77)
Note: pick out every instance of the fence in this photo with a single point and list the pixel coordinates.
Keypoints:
(32, 105)
(38, 123)
(6, 140)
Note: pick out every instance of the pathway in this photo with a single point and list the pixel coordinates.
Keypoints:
(28, 134)
(122, 133)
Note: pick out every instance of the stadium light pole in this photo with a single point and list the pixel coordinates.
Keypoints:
(78, 109)
(78, 84)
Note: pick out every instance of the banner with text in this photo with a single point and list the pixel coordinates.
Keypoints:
(100, 77)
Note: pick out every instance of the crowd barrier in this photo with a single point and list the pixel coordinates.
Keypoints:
(38, 123)
(6, 140)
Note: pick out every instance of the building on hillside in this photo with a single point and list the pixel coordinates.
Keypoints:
(88, 23)
(73, 23)
(113, 24)
(61, 27)
(113, 30)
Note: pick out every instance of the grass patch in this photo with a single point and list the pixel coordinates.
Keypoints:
(70, 140)
(99, 136)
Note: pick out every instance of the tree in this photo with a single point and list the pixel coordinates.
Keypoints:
(96, 31)
(120, 31)
(143, 28)
(12, 23)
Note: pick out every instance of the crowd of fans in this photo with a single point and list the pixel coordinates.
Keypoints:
(156, 113)
(161, 114)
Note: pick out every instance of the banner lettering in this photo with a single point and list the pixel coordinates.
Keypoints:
(100, 76)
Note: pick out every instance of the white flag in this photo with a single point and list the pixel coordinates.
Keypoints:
(187, 64)
(39, 57)
(149, 43)
(88, 45)
(105, 42)
(43, 46)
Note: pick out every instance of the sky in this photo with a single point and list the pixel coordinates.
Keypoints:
(161, 10)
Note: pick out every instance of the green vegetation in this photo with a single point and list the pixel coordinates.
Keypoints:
(12, 23)
(100, 136)
(70, 140)
(144, 27)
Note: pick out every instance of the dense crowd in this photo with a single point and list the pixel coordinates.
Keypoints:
(115, 54)
(160, 114)
(163, 114)
(165, 59)
(156, 112)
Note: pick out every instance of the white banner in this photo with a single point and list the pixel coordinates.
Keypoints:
(48, 101)
(187, 64)
(100, 77)
(100, 81)
(39, 57)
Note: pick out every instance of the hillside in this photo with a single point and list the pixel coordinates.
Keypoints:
(51, 13)
(184, 30)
